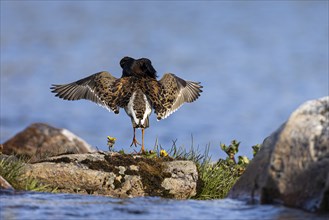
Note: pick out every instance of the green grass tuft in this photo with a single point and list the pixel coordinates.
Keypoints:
(218, 178)
(11, 169)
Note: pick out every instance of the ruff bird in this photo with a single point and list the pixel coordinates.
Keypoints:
(137, 91)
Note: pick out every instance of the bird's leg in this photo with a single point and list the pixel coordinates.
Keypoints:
(143, 149)
(134, 142)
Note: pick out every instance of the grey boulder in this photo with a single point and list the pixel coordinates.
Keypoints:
(117, 175)
(41, 140)
(292, 166)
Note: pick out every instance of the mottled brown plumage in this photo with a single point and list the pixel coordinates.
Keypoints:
(137, 91)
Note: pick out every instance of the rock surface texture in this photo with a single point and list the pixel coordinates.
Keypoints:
(292, 166)
(116, 175)
(41, 140)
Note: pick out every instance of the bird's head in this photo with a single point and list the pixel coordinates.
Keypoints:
(126, 65)
(141, 67)
(144, 66)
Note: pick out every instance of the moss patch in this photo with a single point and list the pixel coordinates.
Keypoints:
(100, 165)
(62, 160)
(152, 178)
(150, 170)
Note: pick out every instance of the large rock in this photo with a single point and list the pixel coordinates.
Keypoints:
(41, 140)
(292, 166)
(117, 175)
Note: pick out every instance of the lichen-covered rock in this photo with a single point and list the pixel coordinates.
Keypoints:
(292, 166)
(117, 175)
(183, 180)
(41, 140)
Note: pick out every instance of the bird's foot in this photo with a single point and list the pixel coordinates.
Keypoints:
(135, 142)
(142, 151)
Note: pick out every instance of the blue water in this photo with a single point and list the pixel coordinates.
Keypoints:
(67, 206)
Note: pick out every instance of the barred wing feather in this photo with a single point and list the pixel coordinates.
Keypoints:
(176, 92)
(91, 88)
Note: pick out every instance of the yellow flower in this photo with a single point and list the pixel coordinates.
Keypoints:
(110, 141)
(163, 153)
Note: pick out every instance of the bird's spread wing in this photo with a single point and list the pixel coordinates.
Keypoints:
(174, 93)
(97, 88)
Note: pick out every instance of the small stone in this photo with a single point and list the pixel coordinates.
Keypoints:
(122, 170)
(133, 168)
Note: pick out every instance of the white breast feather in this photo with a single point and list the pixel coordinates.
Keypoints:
(148, 109)
(130, 108)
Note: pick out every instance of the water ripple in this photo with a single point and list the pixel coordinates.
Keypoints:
(28, 205)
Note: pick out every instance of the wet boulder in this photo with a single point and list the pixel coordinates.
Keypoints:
(117, 175)
(292, 166)
(40, 140)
